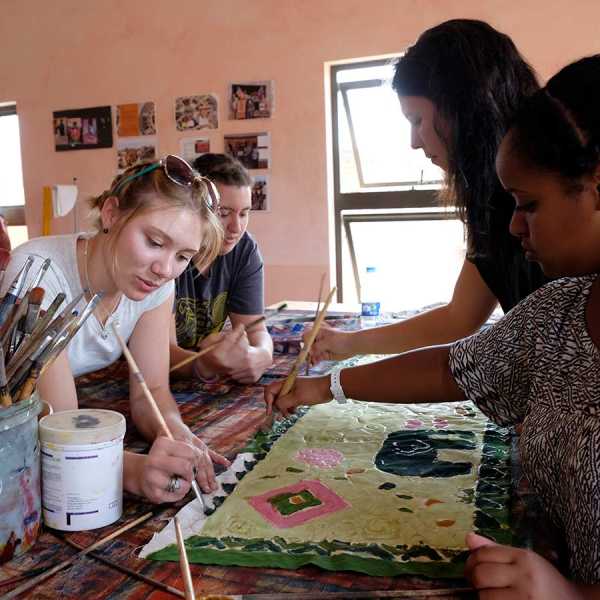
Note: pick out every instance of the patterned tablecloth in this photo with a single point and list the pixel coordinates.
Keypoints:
(226, 416)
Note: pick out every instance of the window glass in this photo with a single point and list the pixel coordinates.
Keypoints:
(11, 174)
(417, 261)
(374, 136)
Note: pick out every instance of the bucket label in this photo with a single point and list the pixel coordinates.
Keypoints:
(82, 486)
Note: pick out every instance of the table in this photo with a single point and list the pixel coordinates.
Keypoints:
(226, 415)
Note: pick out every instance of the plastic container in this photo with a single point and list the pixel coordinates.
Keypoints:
(20, 498)
(370, 301)
(82, 468)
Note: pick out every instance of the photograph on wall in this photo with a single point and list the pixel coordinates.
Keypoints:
(260, 193)
(136, 119)
(196, 112)
(251, 149)
(192, 148)
(251, 100)
(131, 151)
(83, 128)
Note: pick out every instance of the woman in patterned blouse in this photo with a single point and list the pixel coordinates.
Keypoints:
(540, 364)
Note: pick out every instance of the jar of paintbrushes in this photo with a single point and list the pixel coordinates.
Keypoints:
(30, 340)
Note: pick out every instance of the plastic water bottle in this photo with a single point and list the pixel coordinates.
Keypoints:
(370, 302)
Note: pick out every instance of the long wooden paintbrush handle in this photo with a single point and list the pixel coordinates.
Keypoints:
(139, 576)
(140, 379)
(184, 563)
(206, 350)
(291, 378)
(65, 563)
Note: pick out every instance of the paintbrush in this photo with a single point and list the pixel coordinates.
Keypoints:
(37, 280)
(18, 311)
(25, 327)
(211, 347)
(60, 344)
(288, 384)
(53, 332)
(54, 349)
(14, 291)
(137, 375)
(4, 260)
(316, 314)
(38, 335)
(291, 378)
(139, 576)
(183, 563)
(5, 397)
(50, 313)
(69, 561)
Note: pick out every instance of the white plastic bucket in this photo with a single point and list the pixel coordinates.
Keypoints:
(82, 468)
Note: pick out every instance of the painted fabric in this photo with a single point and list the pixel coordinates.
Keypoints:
(379, 489)
(538, 366)
(234, 283)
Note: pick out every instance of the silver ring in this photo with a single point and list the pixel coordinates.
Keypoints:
(173, 485)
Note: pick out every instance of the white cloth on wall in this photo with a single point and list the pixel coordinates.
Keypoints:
(64, 198)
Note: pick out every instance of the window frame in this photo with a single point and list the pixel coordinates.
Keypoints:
(14, 215)
(377, 198)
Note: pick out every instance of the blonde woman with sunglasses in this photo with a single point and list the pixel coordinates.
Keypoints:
(154, 219)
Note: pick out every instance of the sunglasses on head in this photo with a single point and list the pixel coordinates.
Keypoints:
(178, 171)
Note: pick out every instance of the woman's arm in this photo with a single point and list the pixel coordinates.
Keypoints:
(414, 377)
(471, 304)
(57, 386)
(243, 356)
(149, 345)
(144, 475)
(258, 352)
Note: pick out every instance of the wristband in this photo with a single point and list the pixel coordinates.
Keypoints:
(335, 387)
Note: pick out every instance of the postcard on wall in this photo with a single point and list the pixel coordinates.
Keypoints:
(251, 100)
(131, 151)
(196, 112)
(192, 148)
(260, 193)
(136, 119)
(253, 150)
(83, 128)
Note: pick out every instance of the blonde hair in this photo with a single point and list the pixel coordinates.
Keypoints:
(155, 191)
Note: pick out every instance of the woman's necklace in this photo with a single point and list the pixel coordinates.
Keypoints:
(106, 315)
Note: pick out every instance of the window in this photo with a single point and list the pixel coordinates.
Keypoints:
(386, 211)
(12, 196)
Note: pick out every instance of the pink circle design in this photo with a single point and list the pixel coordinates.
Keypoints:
(323, 458)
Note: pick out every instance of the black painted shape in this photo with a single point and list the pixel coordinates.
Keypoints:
(387, 486)
(414, 453)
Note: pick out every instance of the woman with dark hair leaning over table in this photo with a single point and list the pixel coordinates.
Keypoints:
(232, 286)
(459, 86)
(538, 366)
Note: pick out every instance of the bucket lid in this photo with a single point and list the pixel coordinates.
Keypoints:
(82, 426)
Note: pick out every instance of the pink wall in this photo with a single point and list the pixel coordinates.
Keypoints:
(73, 53)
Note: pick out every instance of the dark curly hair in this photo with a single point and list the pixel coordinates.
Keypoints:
(223, 169)
(558, 129)
(477, 79)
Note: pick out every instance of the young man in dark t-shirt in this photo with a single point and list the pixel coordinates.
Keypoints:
(232, 287)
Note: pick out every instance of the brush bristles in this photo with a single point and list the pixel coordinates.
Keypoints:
(36, 295)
